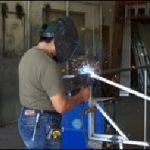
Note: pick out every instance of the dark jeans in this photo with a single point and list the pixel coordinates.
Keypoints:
(47, 122)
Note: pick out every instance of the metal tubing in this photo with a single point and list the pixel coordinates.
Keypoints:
(90, 116)
(121, 145)
(139, 143)
(141, 95)
(108, 136)
(118, 70)
(145, 106)
(129, 142)
(110, 120)
(112, 71)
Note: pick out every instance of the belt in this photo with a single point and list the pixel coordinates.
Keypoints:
(30, 111)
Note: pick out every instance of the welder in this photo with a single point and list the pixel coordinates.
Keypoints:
(41, 88)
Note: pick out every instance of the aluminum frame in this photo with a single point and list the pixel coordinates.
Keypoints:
(120, 139)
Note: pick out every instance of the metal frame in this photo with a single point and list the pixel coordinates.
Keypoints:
(120, 139)
(145, 106)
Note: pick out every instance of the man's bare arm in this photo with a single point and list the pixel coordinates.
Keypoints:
(63, 104)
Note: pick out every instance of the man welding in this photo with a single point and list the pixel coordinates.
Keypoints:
(41, 90)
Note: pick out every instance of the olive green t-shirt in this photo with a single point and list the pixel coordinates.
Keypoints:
(39, 79)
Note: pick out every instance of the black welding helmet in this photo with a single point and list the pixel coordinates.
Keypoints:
(66, 37)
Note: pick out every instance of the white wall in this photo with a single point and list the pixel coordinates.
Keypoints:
(95, 16)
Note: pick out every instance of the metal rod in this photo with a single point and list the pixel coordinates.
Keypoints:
(108, 136)
(111, 71)
(141, 95)
(90, 116)
(110, 120)
(145, 107)
(120, 145)
(139, 143)
(118, 70)
(106, 139)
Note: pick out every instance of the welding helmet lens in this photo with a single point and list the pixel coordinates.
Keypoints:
(66, 39)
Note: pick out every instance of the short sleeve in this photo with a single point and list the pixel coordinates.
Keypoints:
(50, 78)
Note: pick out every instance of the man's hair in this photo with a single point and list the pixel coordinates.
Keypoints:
(45, 39)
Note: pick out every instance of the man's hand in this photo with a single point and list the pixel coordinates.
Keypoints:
(63, 104)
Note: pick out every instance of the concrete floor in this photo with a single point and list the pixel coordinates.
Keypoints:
(9, 137)
(129, 117)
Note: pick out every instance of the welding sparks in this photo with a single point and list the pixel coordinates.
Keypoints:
(88, 70)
